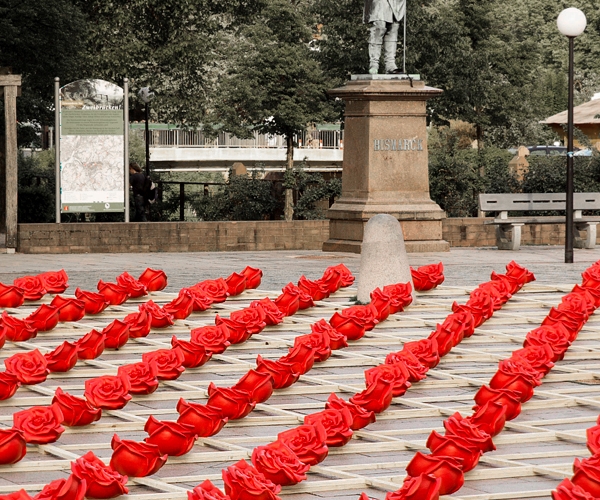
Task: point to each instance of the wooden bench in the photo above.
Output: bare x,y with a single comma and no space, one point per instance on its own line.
508,229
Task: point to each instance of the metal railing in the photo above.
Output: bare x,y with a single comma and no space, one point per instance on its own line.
317,139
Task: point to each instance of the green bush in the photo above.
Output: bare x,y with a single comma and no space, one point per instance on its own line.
312,188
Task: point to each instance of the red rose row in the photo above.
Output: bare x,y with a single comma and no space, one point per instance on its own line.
32,288
286,460
466,439
32,367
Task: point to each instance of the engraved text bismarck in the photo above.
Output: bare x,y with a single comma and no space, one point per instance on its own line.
398,145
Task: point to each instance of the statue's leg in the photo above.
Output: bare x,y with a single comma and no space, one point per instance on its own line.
376,33
390,45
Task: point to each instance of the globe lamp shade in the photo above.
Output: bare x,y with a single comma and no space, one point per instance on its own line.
571,22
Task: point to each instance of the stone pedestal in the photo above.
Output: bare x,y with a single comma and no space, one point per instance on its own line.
385,164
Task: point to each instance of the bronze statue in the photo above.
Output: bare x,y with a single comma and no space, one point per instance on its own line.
384,17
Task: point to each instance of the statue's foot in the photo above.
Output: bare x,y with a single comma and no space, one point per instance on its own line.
373,70
395,71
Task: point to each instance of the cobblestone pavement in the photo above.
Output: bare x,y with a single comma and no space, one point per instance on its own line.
535,451
464,266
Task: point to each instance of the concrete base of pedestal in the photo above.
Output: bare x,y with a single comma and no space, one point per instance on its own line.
411,246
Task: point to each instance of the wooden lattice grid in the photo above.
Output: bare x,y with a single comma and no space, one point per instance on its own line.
535,451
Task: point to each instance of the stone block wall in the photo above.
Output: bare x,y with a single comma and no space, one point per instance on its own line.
241,236
172,236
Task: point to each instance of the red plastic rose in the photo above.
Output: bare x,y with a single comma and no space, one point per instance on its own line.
481,305
63,358
44,318
593,439
554,336
244,482
282,373
463,428
95,303
253,277
32,287
101,480
464,316
154,279
396,374
28,367
316,289
39,424
134,287
591,296
232,403
91,345
142,377
516,374
279,464
318,342
289,300
54,281
354,321
337,340
13,446
236,283
17,495
134,459
422,487
172,438
113,293
587,475
116,334
447,469
301,358
160,317
337,425
15,329
381,301
253,317
346,278
507,398
499,292
9,384
238,332
139,323
258,384
427,277
207,491
205,421
168,361
566,490
201,300
400,296
182,306
71,488
213,338
11,296
489,418
445,339
307,442
273,316
376,397
571,320
519,273
215,289
455,446
416,370
425,350
538,356
361,417
108,392
75,411
194,354
69,309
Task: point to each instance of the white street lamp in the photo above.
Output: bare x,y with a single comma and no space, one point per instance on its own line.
571,22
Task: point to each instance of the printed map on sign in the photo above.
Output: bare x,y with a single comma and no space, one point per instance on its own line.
92,168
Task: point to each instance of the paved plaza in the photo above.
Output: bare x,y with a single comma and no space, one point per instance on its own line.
534,452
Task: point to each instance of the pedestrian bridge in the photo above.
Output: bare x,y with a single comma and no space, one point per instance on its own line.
179,149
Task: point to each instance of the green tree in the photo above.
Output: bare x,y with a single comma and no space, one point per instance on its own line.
274,84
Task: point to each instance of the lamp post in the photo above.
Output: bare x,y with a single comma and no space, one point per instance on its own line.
571,22
146,96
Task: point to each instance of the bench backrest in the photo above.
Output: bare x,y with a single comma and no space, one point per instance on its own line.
507,202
